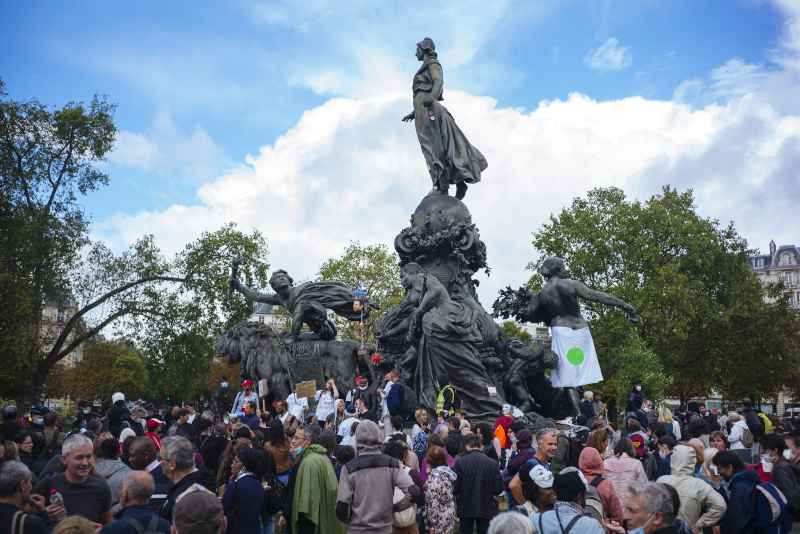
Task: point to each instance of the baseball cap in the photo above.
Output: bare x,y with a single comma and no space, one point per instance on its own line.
455,421
247,383
581,420
37,410
198,512
638,440
152,423
541,476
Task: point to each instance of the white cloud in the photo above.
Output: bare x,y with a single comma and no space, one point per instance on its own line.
351,170
609,56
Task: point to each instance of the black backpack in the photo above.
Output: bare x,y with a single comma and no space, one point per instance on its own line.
408,402
53,448
576,446
273,499
152,527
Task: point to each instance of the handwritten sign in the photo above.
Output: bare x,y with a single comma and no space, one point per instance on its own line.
306,389
262,388
492,391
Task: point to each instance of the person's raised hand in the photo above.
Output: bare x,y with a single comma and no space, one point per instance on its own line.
35,505
612,526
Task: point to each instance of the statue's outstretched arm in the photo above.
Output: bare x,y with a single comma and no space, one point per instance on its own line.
603,298
268,298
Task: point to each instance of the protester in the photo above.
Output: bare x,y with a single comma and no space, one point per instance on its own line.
421,424
535,491
245,492
665,447
310,500
143,457
454,442
718,440
199,513
243,397
708,473
397,431
587,408
477,482
235,446
754,424
110,467
568,509
673,427
598,440
631,426
284,416
440,509
279,446
634,397
135,491
154,429
24,444
177,461
699,428
648,461
402,454
491,445
599,406
215,446
369,415
650,509
623,469
521,451
701,505
591,465
510,523
17,501
366,485
643,411
501,426
138,415
336,417
785,471
350,413
736,436
738,518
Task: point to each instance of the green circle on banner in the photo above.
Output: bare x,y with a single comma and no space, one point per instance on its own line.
575,356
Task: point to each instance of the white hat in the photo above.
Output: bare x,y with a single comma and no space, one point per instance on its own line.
541,476
125,433
118,396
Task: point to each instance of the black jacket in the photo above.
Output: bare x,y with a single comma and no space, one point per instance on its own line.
203,477
370,399
476,485
454,442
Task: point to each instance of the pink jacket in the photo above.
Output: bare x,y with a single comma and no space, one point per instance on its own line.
623,471
591,465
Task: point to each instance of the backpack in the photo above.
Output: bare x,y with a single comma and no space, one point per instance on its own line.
768,508
152,526
576,445
594,505
407,517
409,402
53,448
747,438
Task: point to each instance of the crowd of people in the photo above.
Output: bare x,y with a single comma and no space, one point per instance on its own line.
357,461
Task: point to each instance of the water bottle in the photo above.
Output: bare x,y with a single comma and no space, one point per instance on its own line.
57,499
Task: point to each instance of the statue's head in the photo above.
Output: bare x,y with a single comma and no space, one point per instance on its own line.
426,45
552,267
280,279
408,272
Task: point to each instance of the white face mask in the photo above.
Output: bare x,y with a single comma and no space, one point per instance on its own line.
638,388
662,454
788,455
645,409
362,388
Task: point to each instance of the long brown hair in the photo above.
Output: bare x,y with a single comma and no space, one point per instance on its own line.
233,448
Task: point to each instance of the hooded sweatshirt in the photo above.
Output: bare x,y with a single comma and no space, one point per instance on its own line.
693,492
112,471
622,471
366,485
785,476
591,465
524,451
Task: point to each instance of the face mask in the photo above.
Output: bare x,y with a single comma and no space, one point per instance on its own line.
638,388
719,447
713,469
299,450
645,410
766,458
362,388
513,440
224,384
640,530
788,455
86,412
37,421
662,454
241,474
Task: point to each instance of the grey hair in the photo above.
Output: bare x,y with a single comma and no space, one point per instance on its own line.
655,498
208,414
12,473
75,440
310,433
510,523
139,485
179,450
546,432
220,429
138,410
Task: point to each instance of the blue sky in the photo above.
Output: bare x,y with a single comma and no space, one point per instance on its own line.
207,91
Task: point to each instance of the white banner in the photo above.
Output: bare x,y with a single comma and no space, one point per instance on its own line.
577,359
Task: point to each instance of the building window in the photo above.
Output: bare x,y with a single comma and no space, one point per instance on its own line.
787,259
261,319
788,279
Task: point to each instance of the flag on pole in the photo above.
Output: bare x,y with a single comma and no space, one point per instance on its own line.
577,359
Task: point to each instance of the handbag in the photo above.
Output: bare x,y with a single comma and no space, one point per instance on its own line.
407,517
273,499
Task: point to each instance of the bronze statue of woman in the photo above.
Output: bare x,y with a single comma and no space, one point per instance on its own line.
451,159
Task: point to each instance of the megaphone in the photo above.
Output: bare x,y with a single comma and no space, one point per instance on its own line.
227,417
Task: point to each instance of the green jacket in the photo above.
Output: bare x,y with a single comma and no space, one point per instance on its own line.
315,492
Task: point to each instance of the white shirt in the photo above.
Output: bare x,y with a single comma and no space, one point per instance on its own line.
327,403
344,431
191,417
297,407
384,396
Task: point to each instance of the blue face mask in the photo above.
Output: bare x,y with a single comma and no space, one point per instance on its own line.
640,530
299,450
86,412
37,421
224,384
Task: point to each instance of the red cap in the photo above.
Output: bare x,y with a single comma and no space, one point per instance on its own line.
638,440
247,383
152,423
357,379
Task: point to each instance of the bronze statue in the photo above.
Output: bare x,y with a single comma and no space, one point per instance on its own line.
451,159
557,305
307,303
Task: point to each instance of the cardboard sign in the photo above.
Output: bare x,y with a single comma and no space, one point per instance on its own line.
306,389
492,391
262,388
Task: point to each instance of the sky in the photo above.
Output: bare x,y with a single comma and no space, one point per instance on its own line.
285,116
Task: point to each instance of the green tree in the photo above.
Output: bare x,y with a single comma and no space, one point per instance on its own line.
634,361
511,329
688,279
173,310
378,272
104,369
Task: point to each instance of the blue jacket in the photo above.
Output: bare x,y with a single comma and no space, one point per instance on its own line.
738,518
394,401
556,520
140,512
588,410
252,421
664,467
642,418
249,499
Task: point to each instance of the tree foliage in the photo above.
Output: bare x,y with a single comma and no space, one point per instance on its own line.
104,369
634,361
378,272
511,329
703,312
